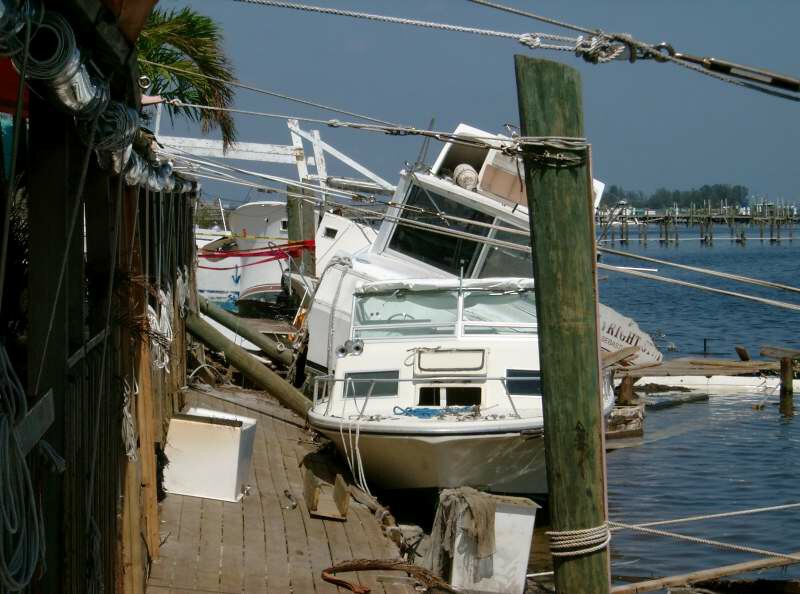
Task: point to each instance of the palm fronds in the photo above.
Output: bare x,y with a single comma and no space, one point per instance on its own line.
189,41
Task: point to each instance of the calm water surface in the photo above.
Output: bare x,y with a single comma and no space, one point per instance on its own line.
722,454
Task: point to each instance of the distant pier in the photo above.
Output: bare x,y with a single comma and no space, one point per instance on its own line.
622,223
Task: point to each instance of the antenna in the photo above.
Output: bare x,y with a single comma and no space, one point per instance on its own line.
423,151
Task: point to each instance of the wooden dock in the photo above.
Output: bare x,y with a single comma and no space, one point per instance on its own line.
266,543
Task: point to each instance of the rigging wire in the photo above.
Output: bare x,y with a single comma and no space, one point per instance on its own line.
509,146
756,79
598,48
266,92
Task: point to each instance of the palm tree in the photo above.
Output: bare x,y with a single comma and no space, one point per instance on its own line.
191,44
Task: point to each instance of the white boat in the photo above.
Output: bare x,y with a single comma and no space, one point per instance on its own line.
247,262
465,216
438,385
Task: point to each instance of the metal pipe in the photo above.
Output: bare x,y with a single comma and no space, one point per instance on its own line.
55,59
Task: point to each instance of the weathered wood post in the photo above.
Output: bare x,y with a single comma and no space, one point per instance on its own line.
787,378
300,215
560,207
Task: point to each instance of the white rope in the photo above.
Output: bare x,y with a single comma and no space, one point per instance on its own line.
725,275
130,438
731,514
574,543
705,541
673,281
161,326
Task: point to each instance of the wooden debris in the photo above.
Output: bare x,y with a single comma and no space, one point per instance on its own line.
321,503
772,352
608,359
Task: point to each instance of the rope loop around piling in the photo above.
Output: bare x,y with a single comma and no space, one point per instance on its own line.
574,543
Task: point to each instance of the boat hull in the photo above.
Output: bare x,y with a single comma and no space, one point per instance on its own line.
497,462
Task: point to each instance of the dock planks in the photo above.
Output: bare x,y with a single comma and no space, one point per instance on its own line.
262,544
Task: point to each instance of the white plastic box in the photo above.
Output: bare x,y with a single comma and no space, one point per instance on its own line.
209,454
504,572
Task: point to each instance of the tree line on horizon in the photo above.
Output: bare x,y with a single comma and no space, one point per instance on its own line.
735,195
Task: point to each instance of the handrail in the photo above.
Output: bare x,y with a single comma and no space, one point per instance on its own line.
328,380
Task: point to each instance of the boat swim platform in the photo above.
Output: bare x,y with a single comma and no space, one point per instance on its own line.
267,542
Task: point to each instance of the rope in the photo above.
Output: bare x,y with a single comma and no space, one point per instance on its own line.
22,541
725,275
574,543
509,146
599,48
161,328
672,281
705,541
432,582
130,438
640,50
76,209
265,92
744,512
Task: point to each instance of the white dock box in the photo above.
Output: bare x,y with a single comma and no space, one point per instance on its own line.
209,454
506,570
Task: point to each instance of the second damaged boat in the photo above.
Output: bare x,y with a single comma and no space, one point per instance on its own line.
439,386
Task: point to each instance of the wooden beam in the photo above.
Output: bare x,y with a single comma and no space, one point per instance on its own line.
779,353
561,218
243,151
694,577
34,425
146,425
250,367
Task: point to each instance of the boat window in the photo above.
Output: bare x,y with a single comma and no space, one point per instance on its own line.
499,308
529,384
430,396
330,232
405,314
358,384
503,261
284,225
444,251
463,395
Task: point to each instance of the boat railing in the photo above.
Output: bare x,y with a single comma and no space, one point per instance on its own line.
324,384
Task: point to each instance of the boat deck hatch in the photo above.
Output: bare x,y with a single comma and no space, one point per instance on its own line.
451,362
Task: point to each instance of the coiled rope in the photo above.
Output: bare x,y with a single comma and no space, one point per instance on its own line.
22,541
574,543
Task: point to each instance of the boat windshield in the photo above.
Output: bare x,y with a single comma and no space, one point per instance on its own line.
485,312
403,313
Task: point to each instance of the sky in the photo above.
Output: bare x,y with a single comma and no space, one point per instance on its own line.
651,125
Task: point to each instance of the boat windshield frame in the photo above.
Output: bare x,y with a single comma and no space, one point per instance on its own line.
457,328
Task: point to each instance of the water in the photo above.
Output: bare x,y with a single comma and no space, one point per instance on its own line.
714,456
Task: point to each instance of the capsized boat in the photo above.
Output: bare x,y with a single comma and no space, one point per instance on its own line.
241,264
438,385
466,216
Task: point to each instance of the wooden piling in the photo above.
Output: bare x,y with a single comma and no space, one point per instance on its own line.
787,377
626,396
302,225
560,207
